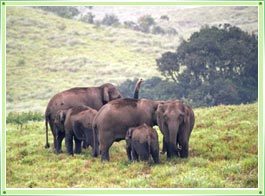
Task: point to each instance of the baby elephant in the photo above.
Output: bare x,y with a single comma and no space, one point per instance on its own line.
142,141
78,126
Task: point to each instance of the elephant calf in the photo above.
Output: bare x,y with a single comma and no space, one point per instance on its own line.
78,126
142,141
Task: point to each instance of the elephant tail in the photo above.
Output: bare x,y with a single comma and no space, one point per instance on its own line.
95,141
47,117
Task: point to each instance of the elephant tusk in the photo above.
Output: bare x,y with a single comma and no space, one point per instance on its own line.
179,147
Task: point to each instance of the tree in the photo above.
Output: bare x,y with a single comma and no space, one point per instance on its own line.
218,65
110,19
145,22
88,18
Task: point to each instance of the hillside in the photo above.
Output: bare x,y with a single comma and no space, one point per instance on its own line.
223,154
185,19
47,54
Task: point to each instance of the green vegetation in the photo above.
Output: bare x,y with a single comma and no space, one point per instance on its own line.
47,54
223,154
217,65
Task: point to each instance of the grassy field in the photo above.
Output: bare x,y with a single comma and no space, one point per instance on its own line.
46,54
223,153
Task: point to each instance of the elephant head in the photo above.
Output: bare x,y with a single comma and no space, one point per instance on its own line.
175,121
59,119
109,93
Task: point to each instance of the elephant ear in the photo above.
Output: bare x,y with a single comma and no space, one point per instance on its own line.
186,115
79,130
106,97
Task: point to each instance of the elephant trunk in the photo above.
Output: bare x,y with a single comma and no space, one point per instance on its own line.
172,146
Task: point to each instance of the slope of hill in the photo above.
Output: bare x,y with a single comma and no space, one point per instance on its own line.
47,54
185,19
223,154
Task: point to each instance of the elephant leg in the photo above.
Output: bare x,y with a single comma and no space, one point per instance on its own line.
105,142
69,144
183,141
55,143
184,149
167,147
78,148
129,152
134,155
59,139
104,150
85,145
155,155
143,151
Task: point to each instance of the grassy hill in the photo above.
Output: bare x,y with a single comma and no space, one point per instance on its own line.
47,54
223,154
185,19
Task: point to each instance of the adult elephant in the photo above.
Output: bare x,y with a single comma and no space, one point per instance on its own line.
94,97
176,121
115,118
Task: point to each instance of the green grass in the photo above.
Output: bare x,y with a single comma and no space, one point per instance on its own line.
223,153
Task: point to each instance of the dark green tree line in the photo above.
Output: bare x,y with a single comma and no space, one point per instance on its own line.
217,65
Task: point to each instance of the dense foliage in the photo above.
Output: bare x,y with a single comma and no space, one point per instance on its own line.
217,65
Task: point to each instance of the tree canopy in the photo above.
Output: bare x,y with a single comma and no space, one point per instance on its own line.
217,65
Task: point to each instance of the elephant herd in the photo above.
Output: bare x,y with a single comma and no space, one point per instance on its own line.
99,116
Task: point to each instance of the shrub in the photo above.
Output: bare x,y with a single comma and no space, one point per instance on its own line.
110,20
88,18
22,118
145,23
63,11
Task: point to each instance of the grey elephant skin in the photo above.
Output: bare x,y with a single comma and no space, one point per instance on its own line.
94,97
115,118
78,127
176,121
141,142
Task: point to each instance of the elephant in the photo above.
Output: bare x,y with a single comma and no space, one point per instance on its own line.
116,117
94,97
175,121
142,141
78,126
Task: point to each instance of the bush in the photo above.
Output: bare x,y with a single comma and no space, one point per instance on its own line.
110,20
145,23
158,30
24,117
88,18
63,11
